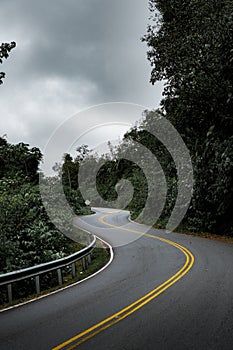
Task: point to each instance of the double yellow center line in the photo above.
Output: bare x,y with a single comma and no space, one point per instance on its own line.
127,311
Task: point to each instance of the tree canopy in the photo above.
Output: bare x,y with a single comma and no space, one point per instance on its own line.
190,47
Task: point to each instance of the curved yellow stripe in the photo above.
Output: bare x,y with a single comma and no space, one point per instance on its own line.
125,312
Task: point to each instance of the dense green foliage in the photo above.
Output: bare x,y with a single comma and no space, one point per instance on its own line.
27,235
110,171
190,46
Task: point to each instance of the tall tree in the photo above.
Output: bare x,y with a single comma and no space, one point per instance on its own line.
190,47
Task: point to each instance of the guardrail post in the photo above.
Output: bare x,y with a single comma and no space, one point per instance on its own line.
34,272
9,292
37,279
59,274
89,258
73,270
84,263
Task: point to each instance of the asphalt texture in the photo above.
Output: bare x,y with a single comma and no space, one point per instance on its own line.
194,313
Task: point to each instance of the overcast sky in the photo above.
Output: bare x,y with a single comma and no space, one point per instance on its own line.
70,55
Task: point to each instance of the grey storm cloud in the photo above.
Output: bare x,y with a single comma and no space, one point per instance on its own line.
70,54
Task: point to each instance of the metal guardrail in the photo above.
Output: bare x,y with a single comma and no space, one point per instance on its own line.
35,271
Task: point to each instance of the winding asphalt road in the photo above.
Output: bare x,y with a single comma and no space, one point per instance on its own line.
152,296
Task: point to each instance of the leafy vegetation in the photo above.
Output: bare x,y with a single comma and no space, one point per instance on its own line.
190,46
27,235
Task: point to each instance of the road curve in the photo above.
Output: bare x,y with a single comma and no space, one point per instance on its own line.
151,296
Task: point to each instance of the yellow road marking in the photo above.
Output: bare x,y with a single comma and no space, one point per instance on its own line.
125,312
